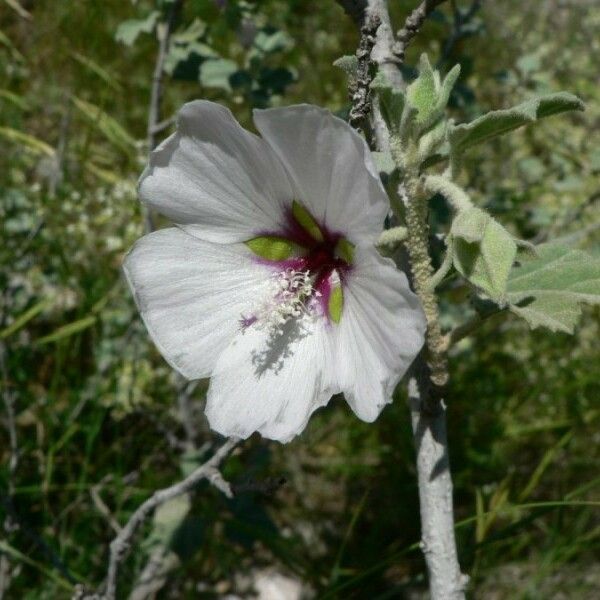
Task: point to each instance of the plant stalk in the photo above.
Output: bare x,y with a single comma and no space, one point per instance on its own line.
428,411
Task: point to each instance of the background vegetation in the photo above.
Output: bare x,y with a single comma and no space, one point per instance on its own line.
96,411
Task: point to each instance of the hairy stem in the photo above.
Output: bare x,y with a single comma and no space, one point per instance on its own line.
422,271
430,371
428,411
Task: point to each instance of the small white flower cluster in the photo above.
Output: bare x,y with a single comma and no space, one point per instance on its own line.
290,295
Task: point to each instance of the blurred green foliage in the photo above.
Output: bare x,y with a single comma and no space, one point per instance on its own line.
96,411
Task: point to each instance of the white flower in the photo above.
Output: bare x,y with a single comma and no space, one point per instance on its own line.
270,284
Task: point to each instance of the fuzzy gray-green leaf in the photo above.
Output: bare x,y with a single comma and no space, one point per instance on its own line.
422,94
498,122
548,291
391,101
347,63
128,31
484,251
384,162
216,73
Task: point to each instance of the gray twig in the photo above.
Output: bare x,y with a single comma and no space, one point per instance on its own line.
446,582
165,124
412,25
359,88
383,53
471,326
164,31
186,413
120,546
101,506
164,36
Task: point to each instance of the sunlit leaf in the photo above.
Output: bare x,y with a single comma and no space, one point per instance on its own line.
95,68
548,291
30,142
107,125
68,330
269,41
348,64
497,122
391,101
216,73
24,318
128,31
484,251
423,92
15,99
16,6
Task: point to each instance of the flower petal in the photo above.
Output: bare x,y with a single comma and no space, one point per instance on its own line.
219,181
333,172
271,384
380,333
192,294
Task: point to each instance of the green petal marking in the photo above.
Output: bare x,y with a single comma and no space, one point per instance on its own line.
307,221
273,248
345,249
336,303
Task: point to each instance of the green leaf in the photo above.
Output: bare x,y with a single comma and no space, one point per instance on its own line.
16,6
460,201
193,32
443,92
422,93
30,142
548,291
498,122
274,248
168,518
128,31
6,548
97,70
24,318
384,162
5,41
336,303
447,87
268,41
187,51
432,142
15,99
68,330
484,251
216,73
391,101
107,125
348,64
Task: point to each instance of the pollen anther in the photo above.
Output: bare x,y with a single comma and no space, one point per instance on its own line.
290,296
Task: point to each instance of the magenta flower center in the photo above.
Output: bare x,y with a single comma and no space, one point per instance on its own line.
308,248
